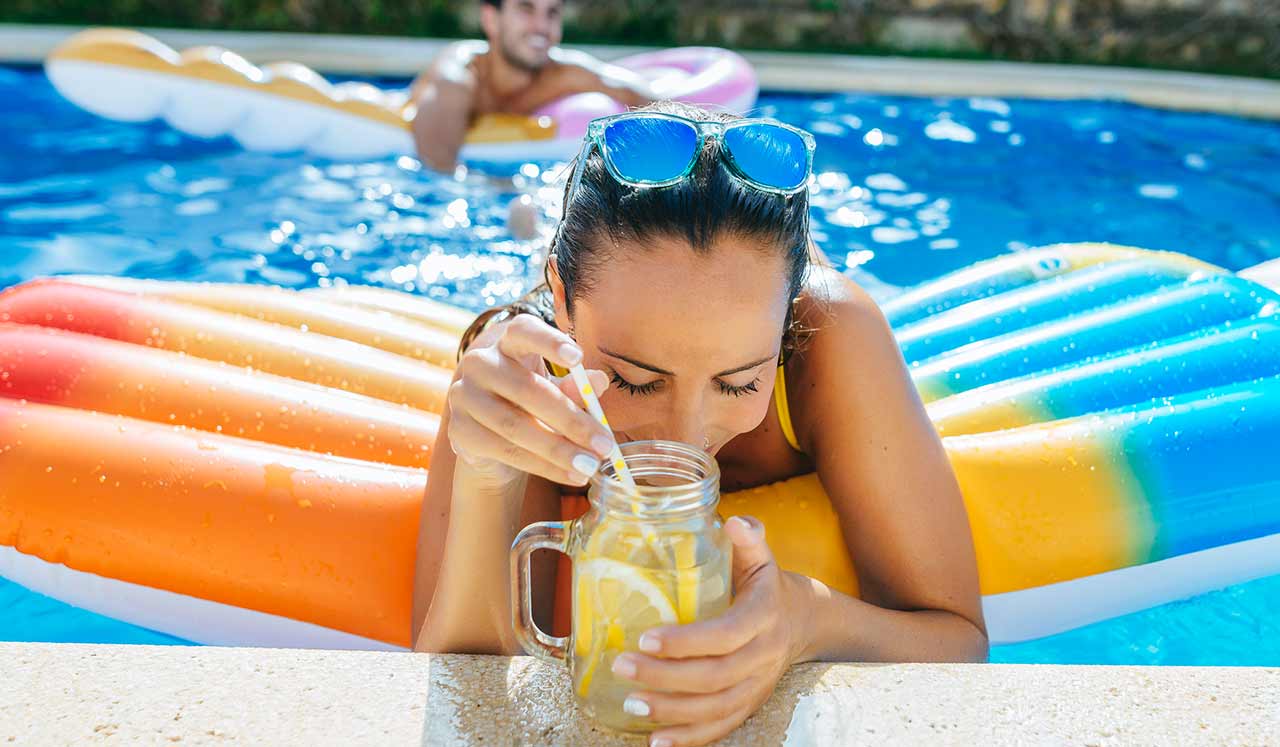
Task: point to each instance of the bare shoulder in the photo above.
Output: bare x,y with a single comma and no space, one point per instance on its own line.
452,69
831,305
845,340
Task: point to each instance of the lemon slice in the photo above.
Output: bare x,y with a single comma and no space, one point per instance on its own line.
625,593
614,599
688,576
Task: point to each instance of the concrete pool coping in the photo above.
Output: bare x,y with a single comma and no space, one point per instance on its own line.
72,694
778,71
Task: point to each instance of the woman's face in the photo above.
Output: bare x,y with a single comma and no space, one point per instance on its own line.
690,342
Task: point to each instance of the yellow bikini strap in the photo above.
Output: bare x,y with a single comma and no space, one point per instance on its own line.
784,409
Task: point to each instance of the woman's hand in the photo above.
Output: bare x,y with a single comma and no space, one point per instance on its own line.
706,678
508,418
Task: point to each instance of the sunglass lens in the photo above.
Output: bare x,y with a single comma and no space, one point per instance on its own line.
770,155
650,149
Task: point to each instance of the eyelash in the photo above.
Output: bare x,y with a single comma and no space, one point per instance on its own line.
633,389
653,386
738,391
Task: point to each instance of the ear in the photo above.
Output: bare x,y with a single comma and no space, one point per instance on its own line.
489,22
558,297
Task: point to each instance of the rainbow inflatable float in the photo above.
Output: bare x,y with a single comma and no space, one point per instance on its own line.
245,465
211,92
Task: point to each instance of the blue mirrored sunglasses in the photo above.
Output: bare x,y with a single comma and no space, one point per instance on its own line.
652,149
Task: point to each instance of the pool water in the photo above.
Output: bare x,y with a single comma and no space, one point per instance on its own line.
905,190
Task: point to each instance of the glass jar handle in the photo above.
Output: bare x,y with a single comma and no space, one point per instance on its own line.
545,535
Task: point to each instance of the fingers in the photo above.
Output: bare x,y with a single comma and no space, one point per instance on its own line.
493,428
599,382
700,733
503,409
750,551
474,443
536,395
718,636
682,708
754,609
707,674
527,337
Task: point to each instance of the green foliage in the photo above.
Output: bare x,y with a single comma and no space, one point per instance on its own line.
1110,32
438,18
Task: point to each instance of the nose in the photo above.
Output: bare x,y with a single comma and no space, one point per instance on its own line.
687,424
542,23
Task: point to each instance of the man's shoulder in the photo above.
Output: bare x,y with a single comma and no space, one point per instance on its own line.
456,62
464,49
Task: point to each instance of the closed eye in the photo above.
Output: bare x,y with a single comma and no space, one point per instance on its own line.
634,389
738,391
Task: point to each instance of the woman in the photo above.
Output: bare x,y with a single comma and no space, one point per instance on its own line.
683,277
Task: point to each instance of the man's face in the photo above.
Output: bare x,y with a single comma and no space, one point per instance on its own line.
524,31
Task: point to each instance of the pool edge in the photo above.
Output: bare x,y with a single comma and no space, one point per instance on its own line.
82,693
806,73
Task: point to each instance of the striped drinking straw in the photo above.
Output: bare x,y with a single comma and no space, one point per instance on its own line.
593,406
615,454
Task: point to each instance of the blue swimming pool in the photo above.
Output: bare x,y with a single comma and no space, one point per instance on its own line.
906,190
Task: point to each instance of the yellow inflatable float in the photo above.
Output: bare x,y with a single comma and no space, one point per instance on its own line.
211,92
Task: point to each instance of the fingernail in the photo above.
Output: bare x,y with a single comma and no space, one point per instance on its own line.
570,354
624,666
602,445
635,706
649,643
659,742
585,464
751,532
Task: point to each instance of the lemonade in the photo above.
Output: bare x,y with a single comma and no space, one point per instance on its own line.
643,557
622,588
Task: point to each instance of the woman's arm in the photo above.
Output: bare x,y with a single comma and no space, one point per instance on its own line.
461,597
508,436
891,484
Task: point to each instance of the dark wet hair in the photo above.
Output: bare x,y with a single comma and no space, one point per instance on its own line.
710,203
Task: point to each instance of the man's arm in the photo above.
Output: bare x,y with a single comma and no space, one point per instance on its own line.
579,72
622,85
443,97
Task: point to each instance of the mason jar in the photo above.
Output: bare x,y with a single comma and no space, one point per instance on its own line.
654,556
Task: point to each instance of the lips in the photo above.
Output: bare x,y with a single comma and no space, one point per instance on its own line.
538,41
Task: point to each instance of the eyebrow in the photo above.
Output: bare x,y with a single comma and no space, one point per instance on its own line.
665,372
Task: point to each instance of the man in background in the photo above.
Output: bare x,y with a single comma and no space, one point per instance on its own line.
517,71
